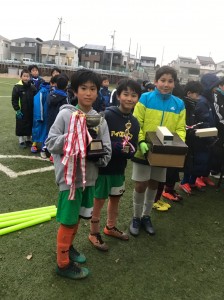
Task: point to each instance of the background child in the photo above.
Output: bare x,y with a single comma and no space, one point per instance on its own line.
193,90
86,85
111,180
156,108
205,112
22,101
36,79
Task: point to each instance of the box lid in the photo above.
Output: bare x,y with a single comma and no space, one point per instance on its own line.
178,146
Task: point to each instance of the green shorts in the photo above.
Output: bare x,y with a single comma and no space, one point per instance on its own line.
69,211
109,185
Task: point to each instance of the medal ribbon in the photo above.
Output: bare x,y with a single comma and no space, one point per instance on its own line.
76,142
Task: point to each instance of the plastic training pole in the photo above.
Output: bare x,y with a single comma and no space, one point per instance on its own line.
26,211
32,213
25,224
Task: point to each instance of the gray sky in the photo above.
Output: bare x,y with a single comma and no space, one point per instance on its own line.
172,27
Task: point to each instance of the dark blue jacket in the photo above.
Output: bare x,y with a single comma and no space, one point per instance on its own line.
55,100
116,121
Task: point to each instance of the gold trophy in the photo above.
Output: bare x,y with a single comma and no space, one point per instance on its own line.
126,143
95,148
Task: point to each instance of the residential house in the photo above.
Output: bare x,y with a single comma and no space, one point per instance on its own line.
148,62
206,64
220,66
92,56
4,48
186,68
129,61
60,53
26,47
116,63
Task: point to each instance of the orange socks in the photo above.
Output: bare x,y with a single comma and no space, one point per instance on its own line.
112,211
95,221
64,241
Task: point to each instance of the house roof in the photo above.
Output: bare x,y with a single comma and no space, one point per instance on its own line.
4,39
62,43
205,60
26,39
94,47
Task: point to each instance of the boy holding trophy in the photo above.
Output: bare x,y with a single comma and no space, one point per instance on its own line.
70,139
123,130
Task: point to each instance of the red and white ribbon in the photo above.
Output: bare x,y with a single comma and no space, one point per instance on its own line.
126,142
76,142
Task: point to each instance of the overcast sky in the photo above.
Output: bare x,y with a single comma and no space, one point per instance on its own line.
161,28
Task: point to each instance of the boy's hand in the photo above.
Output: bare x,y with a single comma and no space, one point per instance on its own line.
144,148
19,114
117,147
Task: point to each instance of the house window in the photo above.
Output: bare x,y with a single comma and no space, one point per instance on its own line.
6,45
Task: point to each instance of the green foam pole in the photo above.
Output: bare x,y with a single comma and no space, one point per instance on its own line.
26,211
25,224
18,221
33,213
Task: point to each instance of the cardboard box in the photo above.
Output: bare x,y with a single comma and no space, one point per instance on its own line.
166,155
206,132
164,135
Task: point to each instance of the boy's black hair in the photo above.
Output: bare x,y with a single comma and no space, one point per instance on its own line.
61,82
166,70
193,87
55,69
124,84
54,79
82,76
150,86
104,78
25,70
31,67
65,75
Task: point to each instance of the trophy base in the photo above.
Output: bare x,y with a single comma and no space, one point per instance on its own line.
96,149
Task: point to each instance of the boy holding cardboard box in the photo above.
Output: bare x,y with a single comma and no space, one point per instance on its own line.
157,108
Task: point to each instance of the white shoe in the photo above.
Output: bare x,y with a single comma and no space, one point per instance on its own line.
43,154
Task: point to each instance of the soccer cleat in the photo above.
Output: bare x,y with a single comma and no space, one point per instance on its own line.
185,187
207,181
200,182
34,149
72,271
135,226
164,203
172,195
22,145
147,225
75,256
43,154
28,143
98,243
159,207
116,233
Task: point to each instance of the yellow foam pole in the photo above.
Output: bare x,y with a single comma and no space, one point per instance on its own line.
27,211
25,224
22,220
34,213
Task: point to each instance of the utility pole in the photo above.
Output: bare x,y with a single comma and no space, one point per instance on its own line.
162,57
59,43
112,50
59,25
129,55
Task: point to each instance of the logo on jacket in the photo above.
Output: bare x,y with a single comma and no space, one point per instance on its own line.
172,108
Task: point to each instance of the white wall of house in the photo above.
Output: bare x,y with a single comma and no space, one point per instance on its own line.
4,49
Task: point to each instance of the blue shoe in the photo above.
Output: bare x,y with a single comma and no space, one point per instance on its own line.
75,256
72,271
135,226
147,225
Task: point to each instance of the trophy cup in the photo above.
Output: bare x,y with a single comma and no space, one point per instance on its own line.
126,144
95,148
